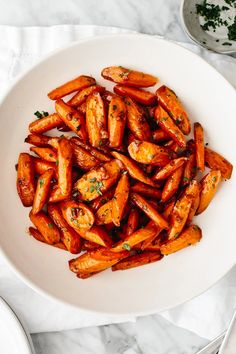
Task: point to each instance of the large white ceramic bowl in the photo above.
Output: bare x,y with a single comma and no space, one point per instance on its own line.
208,98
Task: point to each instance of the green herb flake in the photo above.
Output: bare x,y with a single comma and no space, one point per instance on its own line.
45,114
163,119
92,180
100,143
41,183
50,225
126,247
56,162
51,155
177,234
38,114
185,179
78,127
114,107
92,189
214,179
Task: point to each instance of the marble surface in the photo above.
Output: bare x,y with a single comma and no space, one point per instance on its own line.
151,334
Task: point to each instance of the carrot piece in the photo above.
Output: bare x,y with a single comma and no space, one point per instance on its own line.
97,181
169,208
87,263
83,159
149,210
209,185
170,102
168,169
97,234
133,169
135,238
146,190
167,124
38,140
144,97
65,167
188,237
56,195
78,215
120,199
102,199
196,201
37,235
72,118
148,153
181,210
172,184
98,154
104,213
45,153
136,120
76,84
46,227
69,236
25,179
199,146
82,108
137,260
132,222
190,169
81,96
41,166
96,120
217,162
42,191
44,124
89,245
160,135
116,121
128,77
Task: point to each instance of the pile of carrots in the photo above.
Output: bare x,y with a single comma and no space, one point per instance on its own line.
125,184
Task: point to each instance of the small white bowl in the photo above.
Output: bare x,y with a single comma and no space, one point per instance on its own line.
191,25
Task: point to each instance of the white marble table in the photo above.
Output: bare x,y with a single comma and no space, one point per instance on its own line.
151,334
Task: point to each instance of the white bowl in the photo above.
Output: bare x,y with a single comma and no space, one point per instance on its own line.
208,97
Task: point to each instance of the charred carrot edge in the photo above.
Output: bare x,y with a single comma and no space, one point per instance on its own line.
120,199
209,185
45,153
116,121
140,96
42,191
167,170
137,260
25,179
199,146
37,235
44,124
81,96
217,162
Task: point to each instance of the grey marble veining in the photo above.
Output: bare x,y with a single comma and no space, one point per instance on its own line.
150,334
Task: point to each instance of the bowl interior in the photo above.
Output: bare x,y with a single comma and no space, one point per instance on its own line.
208,98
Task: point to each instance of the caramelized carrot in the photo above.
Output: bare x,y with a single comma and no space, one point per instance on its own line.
25,179
144,97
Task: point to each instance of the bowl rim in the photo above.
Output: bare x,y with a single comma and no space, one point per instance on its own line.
7,258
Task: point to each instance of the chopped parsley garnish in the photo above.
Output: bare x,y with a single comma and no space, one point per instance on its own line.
78,127
100,143
56,162
41,183
98,187
214,179
177,234
186,179
50,225
163,119
92,189
92,180
178,121
126,247
40,115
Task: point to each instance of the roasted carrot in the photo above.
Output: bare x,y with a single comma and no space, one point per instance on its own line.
209,185
42,191
160,135
217,162
136,120
104,214
76,84
97,181
148,153
199,146
25,179
81,96
196,200
56,195
120,199
45,153
72,118
170,102
137,260
128,77
83,158
37,235
188,237
149,210
133,169
190,168
102,199
96,120
41,166
103,157
132,222
146,191
78,215
69,236
37,140
46,227
144,97
168,125
44,124
116,121
65,167
99,235
168,169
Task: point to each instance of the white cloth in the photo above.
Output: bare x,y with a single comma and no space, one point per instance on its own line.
207,315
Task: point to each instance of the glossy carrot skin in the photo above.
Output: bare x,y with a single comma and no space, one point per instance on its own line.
98,154
76,84
37,140
45,153
44,124
41,166
171,104
160,135
190,169
168,169
209,185
136,120
120,199
168,125
146,191
144,97
96,120
39,237
137,260
46,227
128,77
25,179
104,214
42,191
116,121
199,146
132,222
80,97
69,236
149,153
72,118
172,184
65,167
217,162
83,158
